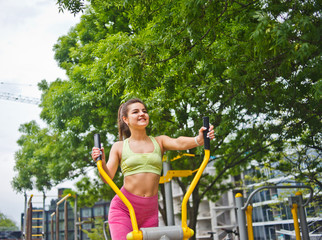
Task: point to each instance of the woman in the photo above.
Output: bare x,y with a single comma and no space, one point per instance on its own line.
140,158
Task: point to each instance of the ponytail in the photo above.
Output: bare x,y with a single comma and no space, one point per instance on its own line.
124,130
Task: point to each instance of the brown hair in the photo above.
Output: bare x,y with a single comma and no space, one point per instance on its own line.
124,130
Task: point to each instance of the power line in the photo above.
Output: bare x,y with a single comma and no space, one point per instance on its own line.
19,98
19,84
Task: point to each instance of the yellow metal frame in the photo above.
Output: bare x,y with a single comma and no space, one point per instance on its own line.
176,173
136,234
182,155
296,222
249,211
187,232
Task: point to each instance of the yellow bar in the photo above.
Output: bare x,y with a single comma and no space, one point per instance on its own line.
37,210
176,173
52,214
63,199
36,235
181,155
296,223
37,218
187,231
36,226
135,234
249,219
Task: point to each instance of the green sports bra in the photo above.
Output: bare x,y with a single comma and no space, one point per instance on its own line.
132,163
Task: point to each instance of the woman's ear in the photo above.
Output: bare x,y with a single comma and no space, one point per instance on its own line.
125,120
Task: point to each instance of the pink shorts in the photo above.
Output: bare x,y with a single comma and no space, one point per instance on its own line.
119,221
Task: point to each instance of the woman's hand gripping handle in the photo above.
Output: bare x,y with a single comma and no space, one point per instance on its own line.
97,144
205,132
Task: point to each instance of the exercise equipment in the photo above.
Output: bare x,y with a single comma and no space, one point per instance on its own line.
296,205
31,222
56,214
167,232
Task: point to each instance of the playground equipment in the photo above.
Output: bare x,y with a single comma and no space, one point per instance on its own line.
167,232
56,214
29,219
295,202
33,216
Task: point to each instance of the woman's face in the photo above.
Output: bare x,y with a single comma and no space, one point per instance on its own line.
137,116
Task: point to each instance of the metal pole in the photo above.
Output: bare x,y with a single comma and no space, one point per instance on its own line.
75,218
52,226
24,218
249,211
29,220
57,222
43,217
104,230
168,196
303,222
241,217
296,223
66,220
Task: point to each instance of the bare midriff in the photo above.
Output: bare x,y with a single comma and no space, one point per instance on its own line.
142,184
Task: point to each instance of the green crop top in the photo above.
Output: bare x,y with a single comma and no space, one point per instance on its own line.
133,163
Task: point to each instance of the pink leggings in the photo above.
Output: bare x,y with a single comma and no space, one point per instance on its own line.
119,221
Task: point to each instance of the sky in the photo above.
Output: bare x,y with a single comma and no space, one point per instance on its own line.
28,31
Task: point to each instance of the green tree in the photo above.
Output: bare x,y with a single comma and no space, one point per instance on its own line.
252,66
97,232
6,224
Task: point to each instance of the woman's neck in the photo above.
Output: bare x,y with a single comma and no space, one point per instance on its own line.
138,135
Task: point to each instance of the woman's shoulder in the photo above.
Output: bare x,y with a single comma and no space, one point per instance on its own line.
160,137
118,144
160,140
117,149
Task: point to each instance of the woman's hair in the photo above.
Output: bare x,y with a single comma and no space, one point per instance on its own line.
124,130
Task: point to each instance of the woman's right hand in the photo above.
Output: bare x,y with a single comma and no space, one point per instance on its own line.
96,152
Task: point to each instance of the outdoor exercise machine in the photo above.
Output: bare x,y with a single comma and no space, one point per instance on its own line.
168,174
28,219
166,232
296,205
56,214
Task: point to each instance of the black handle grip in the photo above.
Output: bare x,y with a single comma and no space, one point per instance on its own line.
97,143
205,138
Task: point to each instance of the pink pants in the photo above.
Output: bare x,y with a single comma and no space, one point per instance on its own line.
119,221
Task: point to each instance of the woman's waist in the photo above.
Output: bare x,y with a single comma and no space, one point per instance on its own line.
142,184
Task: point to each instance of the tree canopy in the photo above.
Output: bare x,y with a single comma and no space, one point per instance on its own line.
6,224
254,67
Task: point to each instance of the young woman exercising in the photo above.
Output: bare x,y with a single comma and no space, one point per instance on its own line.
140,158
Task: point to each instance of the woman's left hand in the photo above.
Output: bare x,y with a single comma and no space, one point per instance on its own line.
210,134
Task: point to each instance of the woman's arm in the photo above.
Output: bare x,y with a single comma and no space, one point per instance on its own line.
113,161
185,143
